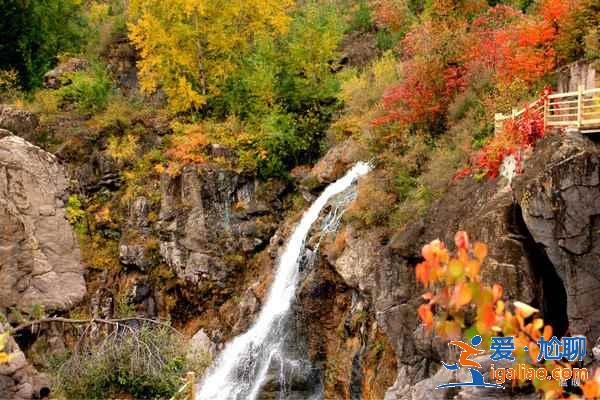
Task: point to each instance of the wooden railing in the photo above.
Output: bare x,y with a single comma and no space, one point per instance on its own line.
580,109
188,390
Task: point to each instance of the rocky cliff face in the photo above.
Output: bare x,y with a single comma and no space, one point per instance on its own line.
39,254
219,233
542,238
559,196
211,219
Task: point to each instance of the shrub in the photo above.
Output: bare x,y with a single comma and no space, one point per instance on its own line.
372,204
88,90
457,303
361,95
387,40
187,147
146,361
9,85
142,178
362,20
75,214
516,136
123,148
119,114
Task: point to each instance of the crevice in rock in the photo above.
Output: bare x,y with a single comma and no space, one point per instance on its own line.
356,376
553,302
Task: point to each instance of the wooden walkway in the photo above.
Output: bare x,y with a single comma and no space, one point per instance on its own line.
579,109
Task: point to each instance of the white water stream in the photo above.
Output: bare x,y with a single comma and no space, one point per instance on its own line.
242,367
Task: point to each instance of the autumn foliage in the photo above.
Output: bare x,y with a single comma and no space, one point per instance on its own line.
187,148
516,136
189,48
443,57
458,303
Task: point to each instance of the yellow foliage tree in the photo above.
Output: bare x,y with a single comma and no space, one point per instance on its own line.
189,47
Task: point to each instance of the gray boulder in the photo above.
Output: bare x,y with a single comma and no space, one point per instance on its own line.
39,255
57,77
20,122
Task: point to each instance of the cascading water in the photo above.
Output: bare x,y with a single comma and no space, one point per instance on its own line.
242,367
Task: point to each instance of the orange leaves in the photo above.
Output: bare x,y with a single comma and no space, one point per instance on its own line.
547,332
461,296
591,388
472,269
554,11
456,292
456,279
444,57
461,239
497,291
187,148
480,251
434,251
428,271
425,314
486,317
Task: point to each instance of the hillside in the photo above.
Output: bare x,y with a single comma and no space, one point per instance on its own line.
296,200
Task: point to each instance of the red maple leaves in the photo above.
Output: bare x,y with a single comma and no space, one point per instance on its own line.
441,59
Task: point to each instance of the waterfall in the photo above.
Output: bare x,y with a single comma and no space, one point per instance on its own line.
242,366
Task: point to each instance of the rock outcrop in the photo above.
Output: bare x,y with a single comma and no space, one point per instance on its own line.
19,380
39,254
337,161
135,245
121,58
211,218
59,76
559,195
20,122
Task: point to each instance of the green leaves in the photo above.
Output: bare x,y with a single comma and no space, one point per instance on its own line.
35,32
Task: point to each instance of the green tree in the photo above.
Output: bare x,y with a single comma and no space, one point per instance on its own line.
285,90
34,32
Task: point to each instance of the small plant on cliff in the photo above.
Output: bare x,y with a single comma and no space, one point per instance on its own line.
458,304
88,91
75,214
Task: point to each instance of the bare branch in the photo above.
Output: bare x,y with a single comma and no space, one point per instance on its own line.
119,322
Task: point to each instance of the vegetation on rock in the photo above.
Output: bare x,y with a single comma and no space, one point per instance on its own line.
459,304
254,89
